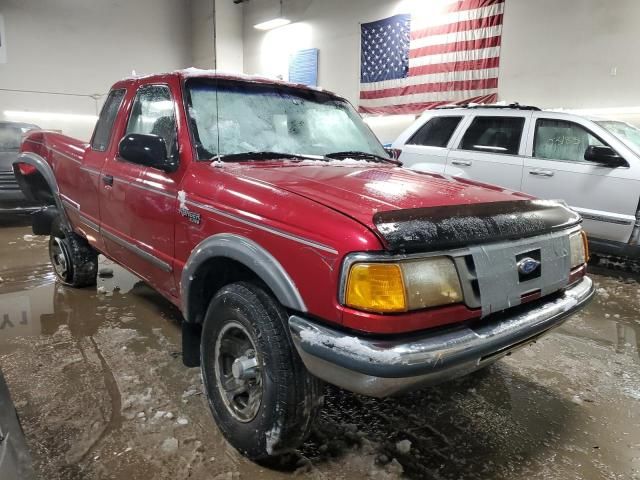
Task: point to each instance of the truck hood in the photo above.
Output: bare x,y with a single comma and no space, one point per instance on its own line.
361,192
412,210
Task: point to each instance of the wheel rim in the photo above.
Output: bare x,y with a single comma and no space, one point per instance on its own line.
59,257
238,371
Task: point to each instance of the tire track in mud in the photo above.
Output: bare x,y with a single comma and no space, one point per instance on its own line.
115,421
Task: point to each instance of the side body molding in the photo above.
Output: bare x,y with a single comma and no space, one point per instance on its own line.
47,173
249,254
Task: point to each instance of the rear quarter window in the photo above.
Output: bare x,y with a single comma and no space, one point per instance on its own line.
436,132
104,127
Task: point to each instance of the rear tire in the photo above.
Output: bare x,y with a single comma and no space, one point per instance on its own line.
74,261
260,394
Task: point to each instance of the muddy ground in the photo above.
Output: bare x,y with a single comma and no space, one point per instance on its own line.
97,379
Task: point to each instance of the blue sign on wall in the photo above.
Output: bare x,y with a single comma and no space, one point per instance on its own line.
303,67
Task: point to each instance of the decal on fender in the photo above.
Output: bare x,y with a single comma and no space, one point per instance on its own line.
193,217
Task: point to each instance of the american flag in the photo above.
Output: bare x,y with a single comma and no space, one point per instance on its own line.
449,53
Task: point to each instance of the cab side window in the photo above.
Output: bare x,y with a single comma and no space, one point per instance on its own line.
494,135
153,113
562,140
436,132
102,134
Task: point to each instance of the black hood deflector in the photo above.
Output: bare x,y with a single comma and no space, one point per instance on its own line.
455,226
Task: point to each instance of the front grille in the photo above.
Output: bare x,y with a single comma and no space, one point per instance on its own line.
490,277
8,181
468,280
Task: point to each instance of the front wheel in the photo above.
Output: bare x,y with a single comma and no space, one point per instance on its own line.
260,394
74,261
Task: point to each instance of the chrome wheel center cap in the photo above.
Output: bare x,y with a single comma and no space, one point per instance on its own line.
244,367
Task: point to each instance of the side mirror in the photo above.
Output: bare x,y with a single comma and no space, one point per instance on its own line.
605,155
146,149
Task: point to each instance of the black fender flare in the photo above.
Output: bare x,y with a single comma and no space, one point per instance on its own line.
46,171
251,255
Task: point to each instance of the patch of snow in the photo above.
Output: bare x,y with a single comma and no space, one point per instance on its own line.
182,421
182,198
273,437
191,392
28,238
404,446
101,290
170,445
347,162
351,346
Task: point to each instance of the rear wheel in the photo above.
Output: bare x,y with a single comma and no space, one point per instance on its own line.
74,261
260,394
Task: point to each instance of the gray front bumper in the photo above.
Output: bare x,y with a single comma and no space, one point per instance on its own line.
380,368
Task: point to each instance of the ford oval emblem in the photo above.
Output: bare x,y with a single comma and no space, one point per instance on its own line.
528,265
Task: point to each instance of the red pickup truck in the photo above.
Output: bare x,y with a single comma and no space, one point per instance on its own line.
296,248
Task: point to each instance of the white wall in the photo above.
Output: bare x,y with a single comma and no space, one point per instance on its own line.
202,27
229,38
82,47
332,26
554,54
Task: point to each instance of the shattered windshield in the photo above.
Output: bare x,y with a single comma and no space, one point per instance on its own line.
625,132
232,118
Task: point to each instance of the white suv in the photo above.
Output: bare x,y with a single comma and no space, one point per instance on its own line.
593,164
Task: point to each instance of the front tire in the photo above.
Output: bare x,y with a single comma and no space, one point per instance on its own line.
74,261
260,394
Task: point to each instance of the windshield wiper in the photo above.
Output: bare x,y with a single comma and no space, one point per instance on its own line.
360,155
249,156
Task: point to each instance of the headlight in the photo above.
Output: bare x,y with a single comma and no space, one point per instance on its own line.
403,286
579,249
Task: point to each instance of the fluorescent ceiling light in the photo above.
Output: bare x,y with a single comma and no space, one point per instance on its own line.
24,115
271,24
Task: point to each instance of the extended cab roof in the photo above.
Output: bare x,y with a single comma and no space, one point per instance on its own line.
203,73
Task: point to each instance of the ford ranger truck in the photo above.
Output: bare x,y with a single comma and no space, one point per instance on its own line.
296,249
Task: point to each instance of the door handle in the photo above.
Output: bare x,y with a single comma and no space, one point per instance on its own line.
107,180
541,173
462,163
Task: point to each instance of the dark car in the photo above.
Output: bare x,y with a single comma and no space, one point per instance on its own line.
11,197
15,460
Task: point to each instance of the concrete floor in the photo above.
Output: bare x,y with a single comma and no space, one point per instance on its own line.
98,382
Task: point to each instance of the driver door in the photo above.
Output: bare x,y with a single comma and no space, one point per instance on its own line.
141,210
555,168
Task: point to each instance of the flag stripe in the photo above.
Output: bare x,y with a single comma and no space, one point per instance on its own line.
450,38
460,85
482,22
478,64
470,5
443,96
455,47
455,57
424,22
422,106
453,76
